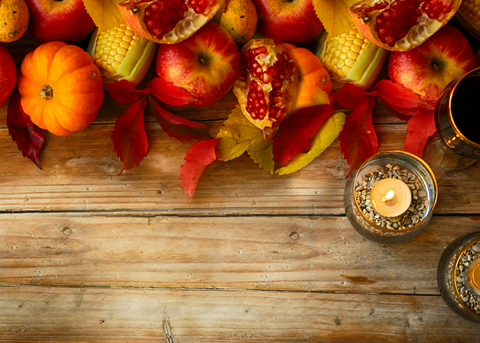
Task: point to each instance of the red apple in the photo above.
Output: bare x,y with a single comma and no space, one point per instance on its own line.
205,65
429,68
63,20
290,21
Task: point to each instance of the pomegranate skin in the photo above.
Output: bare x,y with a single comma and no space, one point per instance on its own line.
430,67
267,86
401,25
205,65
179,29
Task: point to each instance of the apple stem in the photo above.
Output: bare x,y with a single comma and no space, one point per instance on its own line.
46,93
435,66
202,60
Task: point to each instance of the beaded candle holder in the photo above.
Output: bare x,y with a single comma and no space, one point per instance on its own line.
458,276
391,197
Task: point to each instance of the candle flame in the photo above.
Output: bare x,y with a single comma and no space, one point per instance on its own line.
390,194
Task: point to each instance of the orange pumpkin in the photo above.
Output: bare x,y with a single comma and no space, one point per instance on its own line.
61,88
315,85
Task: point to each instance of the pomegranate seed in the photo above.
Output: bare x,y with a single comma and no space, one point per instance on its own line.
277,83
266,96
394,23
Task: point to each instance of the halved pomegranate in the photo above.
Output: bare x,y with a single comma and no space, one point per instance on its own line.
267,86
168,21
400,25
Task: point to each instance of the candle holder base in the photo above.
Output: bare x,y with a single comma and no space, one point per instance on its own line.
438,155
452,278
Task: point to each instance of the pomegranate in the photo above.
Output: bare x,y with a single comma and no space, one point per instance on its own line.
267,85
168,21
400,25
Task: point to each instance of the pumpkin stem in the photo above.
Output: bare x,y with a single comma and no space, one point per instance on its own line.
46,93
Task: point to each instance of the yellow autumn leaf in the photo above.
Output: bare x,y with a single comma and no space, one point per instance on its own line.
236,135
228,148
105,13
261,151
334,15
325,136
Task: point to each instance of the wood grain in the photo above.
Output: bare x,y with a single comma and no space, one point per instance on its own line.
80,173
281,253
87,255
33,314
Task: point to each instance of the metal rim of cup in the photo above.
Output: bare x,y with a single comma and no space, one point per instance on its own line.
454,276
450,115
423,163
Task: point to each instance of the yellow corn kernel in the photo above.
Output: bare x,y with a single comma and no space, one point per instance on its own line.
112,47
346,48
471,9
351,58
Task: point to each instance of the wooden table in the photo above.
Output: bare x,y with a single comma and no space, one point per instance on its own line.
87,255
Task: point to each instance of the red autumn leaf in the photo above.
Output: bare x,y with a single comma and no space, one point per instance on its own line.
420,128
198,157
358,140
124,93
350,96
178,127
401,100
296,132
129,137
29,141
168,93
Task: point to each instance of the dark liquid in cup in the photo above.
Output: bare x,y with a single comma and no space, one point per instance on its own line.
466,108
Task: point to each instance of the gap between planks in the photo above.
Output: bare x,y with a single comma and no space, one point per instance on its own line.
212,289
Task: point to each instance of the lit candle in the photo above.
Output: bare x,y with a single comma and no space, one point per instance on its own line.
473,276
391,197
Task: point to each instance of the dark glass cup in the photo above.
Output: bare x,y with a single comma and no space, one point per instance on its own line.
456,144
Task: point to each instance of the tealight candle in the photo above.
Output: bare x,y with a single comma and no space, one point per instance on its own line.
391,197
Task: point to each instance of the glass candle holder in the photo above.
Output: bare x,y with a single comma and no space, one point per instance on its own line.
400,227
458,276
457,119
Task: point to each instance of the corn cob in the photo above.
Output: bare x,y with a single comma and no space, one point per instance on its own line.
468,16
120,54
471,9
350,57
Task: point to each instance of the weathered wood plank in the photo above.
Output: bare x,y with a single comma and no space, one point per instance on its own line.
34,314
282,253
80,173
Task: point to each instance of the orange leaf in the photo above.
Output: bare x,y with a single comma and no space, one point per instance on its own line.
198,157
